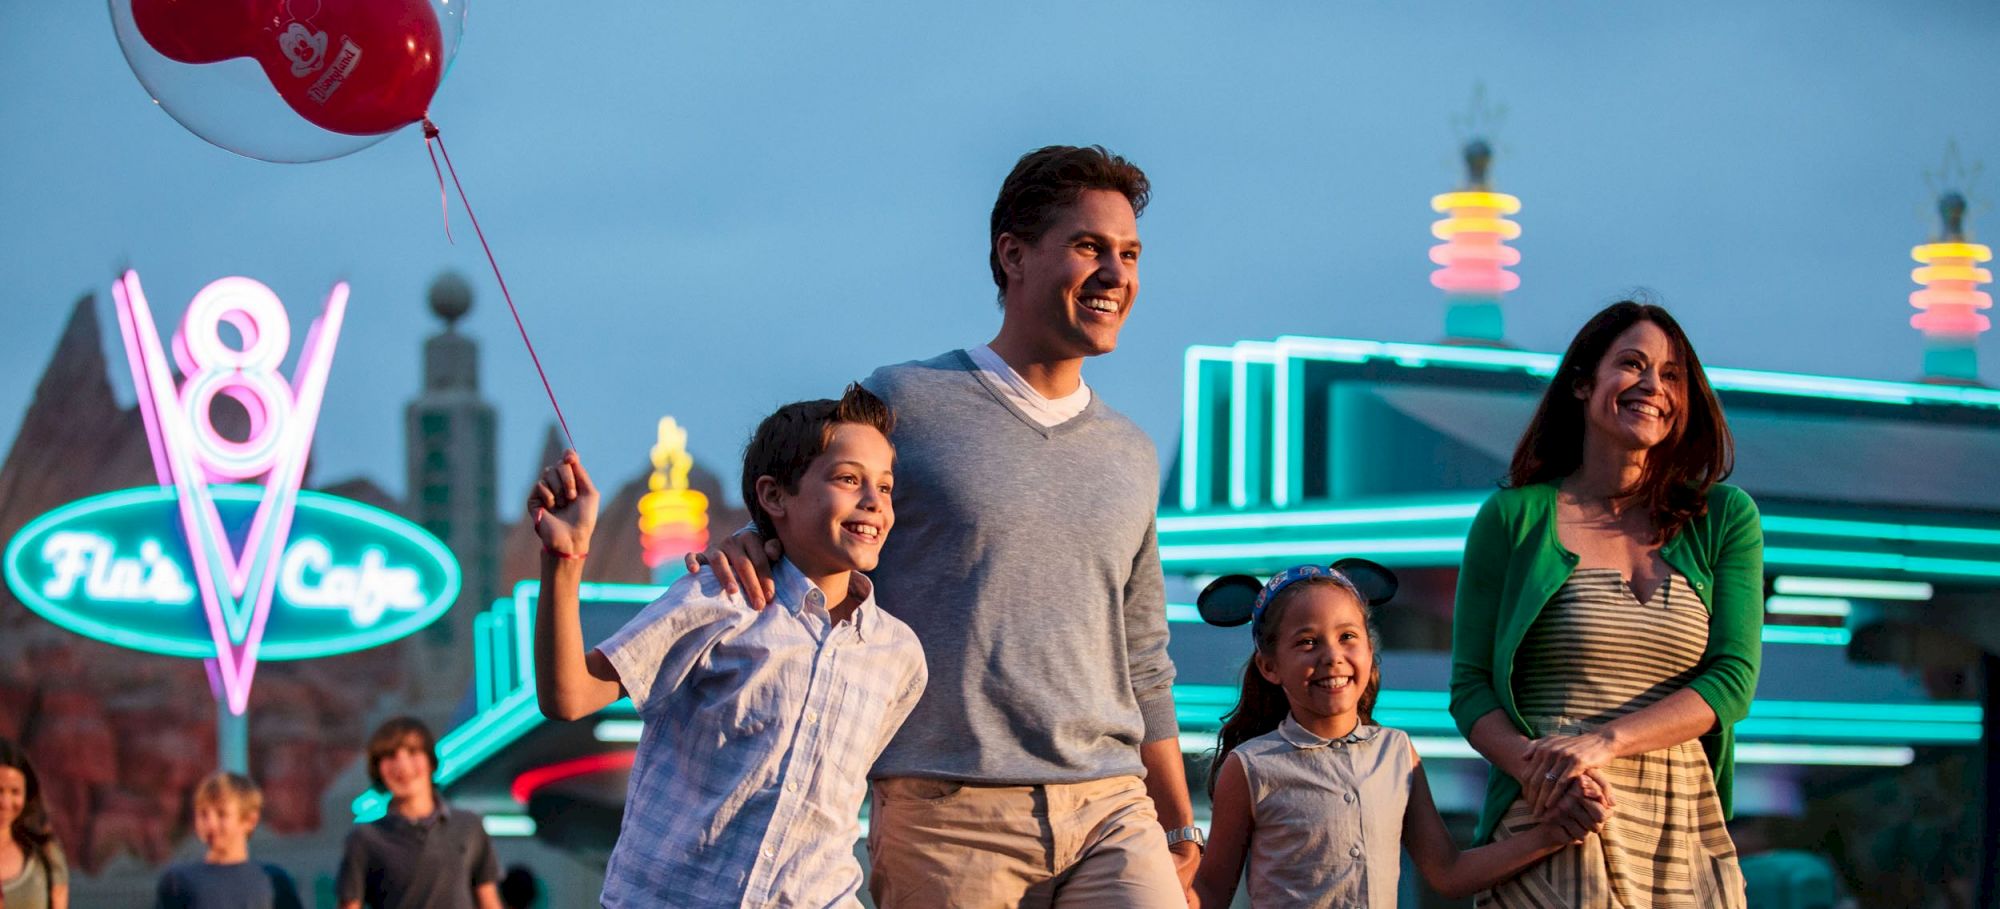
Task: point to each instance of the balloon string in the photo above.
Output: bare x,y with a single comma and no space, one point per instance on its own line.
444,204
431,132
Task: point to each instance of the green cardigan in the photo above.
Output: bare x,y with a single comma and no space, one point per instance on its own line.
1514,563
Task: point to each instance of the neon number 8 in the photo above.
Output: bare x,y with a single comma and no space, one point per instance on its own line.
247,375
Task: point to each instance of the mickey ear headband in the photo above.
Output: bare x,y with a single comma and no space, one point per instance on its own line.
1234,599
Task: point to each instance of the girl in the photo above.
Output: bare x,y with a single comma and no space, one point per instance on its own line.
33,874
1314,796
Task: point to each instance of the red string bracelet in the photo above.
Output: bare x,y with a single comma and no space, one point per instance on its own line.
578,556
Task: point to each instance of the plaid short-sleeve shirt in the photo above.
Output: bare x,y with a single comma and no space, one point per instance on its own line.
758,730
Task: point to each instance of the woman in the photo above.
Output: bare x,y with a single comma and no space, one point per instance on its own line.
1607,625
33,874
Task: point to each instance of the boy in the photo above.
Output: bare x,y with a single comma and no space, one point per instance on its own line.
422,854
758,728
226,810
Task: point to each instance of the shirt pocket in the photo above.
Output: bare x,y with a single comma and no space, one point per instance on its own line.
744,706
863,707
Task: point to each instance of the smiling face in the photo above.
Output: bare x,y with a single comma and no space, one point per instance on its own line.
1071,289
406,771
1321,656
223,825
1635,399
841,512
13,796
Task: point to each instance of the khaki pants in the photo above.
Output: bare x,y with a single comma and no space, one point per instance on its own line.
935,843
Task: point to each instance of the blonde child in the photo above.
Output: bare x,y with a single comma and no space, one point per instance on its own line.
226,810
1318,800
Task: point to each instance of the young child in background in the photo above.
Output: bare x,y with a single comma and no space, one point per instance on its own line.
226,810
1319,800
422,853
33,873
758,728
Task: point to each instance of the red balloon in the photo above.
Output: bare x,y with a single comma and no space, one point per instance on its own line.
360,67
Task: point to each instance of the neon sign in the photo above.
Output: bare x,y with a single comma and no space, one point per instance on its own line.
113,567
673,519
228,559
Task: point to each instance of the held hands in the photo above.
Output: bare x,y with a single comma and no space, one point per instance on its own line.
743,561
563,507
1562,783
1582,809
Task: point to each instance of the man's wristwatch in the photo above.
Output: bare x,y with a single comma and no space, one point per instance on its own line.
1193,835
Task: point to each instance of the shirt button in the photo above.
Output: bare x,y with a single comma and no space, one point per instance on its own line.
791,786
1349,797
770,853
812,716
1355,851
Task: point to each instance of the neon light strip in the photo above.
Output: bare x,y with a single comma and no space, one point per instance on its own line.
508,825
1825,755
527,784
618,731
1821,606
1199,552
1812,635
1858,588
1464,509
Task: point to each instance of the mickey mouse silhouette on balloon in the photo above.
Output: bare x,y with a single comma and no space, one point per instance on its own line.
1234,599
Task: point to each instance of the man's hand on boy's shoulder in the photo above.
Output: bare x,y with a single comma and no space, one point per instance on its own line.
742,562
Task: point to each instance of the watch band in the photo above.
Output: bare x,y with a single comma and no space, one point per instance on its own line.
1188,834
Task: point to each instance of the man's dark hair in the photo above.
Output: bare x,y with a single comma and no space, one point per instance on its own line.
390,737
1048,180
786,443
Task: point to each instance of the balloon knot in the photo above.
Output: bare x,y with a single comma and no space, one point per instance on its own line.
430,129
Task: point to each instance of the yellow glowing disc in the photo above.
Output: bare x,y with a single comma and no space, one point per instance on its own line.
1451,227
1501,202
1933,273
1930,252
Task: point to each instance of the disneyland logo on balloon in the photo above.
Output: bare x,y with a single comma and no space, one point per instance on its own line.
304,47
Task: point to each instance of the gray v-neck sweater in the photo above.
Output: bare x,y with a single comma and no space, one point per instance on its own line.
1025,559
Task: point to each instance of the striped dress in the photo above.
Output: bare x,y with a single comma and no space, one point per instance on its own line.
1595,654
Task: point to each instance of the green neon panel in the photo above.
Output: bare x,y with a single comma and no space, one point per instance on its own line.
374,550
482,658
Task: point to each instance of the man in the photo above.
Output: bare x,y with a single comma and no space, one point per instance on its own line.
1026,561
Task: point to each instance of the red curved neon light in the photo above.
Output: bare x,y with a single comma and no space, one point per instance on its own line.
529,782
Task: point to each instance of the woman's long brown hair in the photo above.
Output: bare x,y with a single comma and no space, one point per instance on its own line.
1680,471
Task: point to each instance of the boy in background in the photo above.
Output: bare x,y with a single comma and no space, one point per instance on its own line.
757,727
422,853
227,807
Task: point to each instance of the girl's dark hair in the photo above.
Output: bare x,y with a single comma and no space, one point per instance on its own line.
1680,471
31,828
1262,706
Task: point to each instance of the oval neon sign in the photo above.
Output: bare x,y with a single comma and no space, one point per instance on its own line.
115,567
